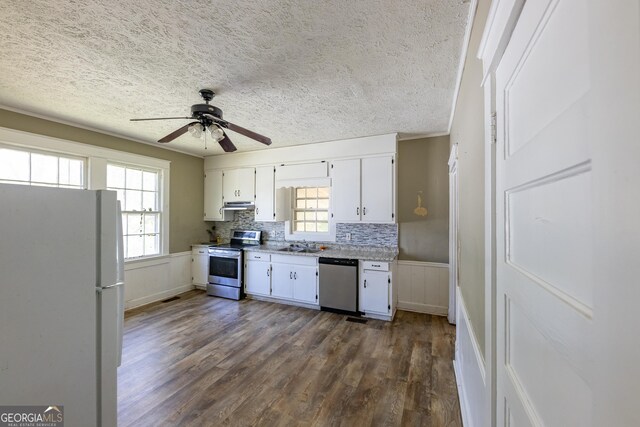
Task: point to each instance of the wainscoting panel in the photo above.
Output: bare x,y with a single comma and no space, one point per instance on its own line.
470,370
423,287
157,279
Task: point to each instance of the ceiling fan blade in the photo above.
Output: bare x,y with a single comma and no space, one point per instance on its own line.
226,144
176,133
248,133
159,118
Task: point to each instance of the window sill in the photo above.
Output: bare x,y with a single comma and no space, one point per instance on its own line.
150,261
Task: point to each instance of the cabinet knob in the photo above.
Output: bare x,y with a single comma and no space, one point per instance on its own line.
268,272
220,211
290,275
364,211
295,276
365,283
357,211
257,211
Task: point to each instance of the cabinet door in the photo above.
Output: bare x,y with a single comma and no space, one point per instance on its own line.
230,185
305,284
200,267
282,281
257,277
345,190
213,195
377,189
265,193
246,184
375,292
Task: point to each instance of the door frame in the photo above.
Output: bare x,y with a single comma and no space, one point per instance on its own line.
453,232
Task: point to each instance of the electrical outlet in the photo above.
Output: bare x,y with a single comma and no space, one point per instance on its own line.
347,236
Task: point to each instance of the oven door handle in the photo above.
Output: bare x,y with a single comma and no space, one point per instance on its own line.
224,254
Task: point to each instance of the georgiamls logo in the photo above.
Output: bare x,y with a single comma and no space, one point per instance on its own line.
32,416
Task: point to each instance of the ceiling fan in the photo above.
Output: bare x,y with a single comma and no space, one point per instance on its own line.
208,118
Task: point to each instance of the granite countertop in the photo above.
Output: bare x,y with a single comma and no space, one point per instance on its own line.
351,252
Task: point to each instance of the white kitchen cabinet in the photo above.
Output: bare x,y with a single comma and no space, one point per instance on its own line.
295,278
305,284
377,294
281,280
265,193
345,190
199,266
213,195
238,185
257,274
377,198
363,190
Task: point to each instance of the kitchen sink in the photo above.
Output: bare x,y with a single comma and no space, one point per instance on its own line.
299,250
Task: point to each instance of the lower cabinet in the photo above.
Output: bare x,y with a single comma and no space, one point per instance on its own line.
257,274
287,277
199,266
377,294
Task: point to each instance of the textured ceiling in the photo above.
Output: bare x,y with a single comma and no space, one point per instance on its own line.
296,71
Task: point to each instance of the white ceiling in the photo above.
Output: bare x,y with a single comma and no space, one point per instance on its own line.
296,71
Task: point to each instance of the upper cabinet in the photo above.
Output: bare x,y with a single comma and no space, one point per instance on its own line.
238,185
377,194
363,190
213,195
265,193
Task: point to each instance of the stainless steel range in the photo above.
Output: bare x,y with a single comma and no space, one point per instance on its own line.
225,264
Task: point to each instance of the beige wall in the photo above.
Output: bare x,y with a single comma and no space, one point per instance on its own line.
422,166
468,132
187,182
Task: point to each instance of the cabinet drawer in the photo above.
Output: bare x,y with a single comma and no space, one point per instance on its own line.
295,259
199,250
258,256
375,265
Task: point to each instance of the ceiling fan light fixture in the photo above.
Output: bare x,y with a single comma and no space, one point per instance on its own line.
216,132
196,130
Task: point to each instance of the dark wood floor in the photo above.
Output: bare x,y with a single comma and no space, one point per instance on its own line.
209,361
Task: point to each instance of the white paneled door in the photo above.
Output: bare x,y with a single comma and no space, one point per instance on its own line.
567,206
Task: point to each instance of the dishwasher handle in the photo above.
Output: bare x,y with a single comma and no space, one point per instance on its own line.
339,261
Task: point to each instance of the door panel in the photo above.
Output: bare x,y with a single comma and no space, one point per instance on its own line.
544,220
375,296
345,190
265,193
258,277
377,189
213,195
282,281
305,284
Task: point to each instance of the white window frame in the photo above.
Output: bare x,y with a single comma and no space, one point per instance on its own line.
159,205
96,169
30,181
289,227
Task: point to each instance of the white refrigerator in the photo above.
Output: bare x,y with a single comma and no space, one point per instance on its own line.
61,301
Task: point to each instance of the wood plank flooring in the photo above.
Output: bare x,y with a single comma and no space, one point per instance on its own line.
207,361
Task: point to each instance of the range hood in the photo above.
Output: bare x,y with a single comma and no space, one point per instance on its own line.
238,206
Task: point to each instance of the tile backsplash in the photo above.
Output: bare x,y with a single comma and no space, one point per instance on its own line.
383,235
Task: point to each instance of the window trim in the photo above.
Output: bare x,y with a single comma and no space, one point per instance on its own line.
31,150
289,225
96,168
159,205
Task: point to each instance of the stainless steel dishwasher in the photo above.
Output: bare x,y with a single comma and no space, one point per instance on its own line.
339,285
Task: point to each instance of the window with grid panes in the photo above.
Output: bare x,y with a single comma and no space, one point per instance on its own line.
311,210
29,167
139,194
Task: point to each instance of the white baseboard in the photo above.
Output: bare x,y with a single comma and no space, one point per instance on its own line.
423,308
423,287
469,368
159,296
